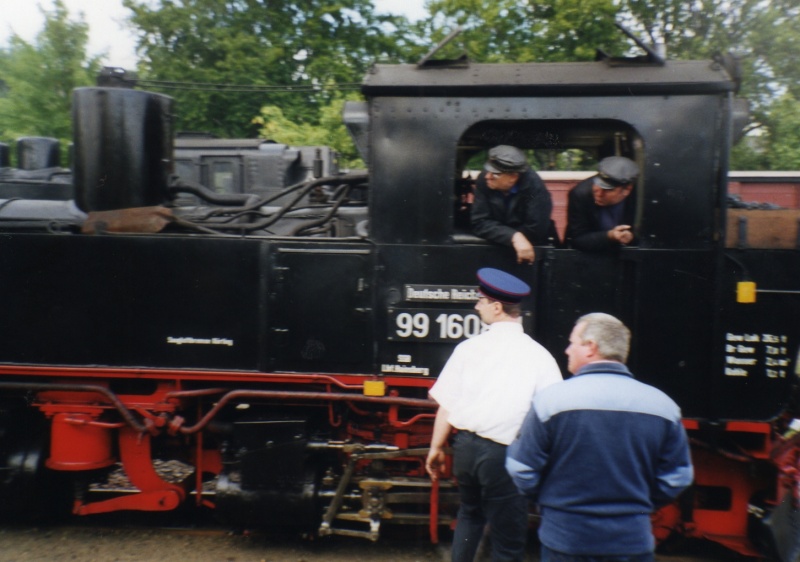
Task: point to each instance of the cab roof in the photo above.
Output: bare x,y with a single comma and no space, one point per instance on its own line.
547,79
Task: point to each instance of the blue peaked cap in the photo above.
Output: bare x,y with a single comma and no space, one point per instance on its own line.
502,286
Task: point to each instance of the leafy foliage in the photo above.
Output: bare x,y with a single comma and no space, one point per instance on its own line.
759,34
303,57
762,36
38,78
784,132
282,52
524,31
329,131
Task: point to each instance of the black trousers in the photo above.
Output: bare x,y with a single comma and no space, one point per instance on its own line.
487,495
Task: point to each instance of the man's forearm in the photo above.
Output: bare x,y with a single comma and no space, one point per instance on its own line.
441,429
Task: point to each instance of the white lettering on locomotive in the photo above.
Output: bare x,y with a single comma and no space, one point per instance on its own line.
199,341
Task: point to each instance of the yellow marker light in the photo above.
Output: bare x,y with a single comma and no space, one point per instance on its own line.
746,292
374,388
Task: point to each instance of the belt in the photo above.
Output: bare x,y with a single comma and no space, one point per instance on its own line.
473,434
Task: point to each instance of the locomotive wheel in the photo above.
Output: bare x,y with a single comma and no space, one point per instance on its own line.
29,491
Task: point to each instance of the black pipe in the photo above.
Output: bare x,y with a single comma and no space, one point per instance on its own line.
40,387
322,396
187,186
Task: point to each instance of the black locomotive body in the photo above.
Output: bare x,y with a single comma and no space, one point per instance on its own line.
278,344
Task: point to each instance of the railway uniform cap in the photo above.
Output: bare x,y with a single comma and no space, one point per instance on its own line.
506,159
615,171
501,286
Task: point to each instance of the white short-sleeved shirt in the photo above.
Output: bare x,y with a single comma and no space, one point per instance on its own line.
488,383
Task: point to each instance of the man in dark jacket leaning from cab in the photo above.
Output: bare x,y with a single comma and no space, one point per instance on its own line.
512,205
601,209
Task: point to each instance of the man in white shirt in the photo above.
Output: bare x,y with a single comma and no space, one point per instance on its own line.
485,391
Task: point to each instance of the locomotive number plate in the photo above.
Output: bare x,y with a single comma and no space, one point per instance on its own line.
433,325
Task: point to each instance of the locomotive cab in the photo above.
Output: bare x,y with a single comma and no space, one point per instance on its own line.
430,122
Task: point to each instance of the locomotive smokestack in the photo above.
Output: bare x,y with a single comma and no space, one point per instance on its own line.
37,153
123,148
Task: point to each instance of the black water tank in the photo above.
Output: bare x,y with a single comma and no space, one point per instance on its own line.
37,153
122,148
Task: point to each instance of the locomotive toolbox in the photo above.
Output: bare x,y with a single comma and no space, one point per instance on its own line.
277,335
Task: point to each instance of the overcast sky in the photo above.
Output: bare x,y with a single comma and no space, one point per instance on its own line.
108,35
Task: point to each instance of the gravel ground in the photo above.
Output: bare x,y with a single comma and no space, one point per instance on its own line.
93,544
166,545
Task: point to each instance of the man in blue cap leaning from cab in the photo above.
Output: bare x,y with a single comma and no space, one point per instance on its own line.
600,209
484,392
512,205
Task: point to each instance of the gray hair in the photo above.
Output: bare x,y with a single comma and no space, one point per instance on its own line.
612,337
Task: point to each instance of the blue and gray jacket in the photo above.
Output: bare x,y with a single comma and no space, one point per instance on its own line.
599,453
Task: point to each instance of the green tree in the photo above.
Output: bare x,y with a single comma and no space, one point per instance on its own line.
763,36
750,154
523,31
327,130
783,151
277,53
38,78
300,56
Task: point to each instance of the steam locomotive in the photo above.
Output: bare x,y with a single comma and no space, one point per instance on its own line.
276,343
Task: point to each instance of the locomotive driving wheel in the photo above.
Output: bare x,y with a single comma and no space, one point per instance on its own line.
29,491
